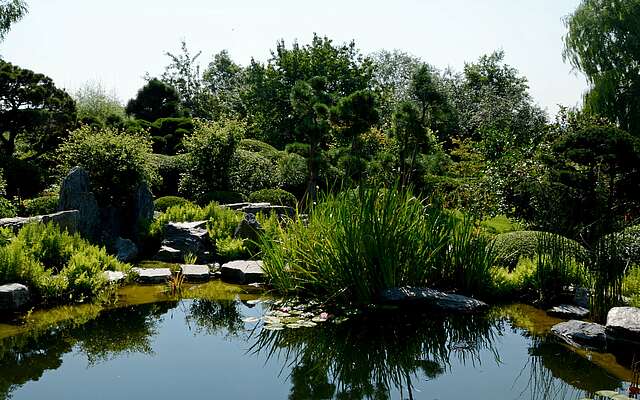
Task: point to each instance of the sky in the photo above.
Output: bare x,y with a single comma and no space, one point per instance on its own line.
116,42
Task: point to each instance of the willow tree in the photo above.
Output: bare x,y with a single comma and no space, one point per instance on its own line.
603,41
11,11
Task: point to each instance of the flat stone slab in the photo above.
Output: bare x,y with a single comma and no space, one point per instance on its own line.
429,298
182,238
623,323
152,275
569,311
14,297
581,334
64,219
266,208
242,272
192,272
114,276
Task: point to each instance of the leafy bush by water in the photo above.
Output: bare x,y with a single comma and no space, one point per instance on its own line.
510,247
161,204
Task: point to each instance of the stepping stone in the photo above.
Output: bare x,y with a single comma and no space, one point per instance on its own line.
411,297
623,323
580,333
568,311
152,275
195,272
242,272
14,297
114,276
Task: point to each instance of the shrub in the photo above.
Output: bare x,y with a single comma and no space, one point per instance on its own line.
209,152
359,242
302,149
256,146
170,168
3,184
510,247
250,172
167,134
7,208
39,206
116,162
631,286
274,196
56,265
518,283
229,249
162,203
224,197
293,172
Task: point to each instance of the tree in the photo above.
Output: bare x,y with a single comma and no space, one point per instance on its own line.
11,11
224,80
95,104
155,100
409,134
603,42
32,108
354,115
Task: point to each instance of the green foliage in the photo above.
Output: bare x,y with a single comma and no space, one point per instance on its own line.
250,172
3,184
117,162
302,149
333,257
167,134
33,110
11,11
39,206
208,159
512,246
170,169
7,208
95,104
631,286
353,115
56,265
499,224
274,196
293,172
223,197
256,146
229,249
161,204
601,41
155,100
518,283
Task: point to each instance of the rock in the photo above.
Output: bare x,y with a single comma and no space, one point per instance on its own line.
142,207
623,323
114,276
182,238
581,296
430,298
14,297
266,209
75,194
126,250
152,275
248,228
568,311
195,272
235,206
66,220
580,333
242,272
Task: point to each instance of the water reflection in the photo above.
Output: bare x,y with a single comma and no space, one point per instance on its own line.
370,356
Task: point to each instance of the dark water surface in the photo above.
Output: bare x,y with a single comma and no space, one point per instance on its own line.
154,348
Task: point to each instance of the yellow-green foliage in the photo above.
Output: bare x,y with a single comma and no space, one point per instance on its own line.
56,265
631,286
517,283
229,249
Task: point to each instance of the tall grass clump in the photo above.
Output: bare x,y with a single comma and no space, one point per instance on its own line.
56,265
608,265
359,242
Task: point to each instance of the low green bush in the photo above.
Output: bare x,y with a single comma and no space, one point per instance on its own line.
274,196
229,249
256,146
516,284
359,242
250,172
499,224
223,197
7,208
170,168
301,149
631,286
39,206
293,172
56,265
510,247
163,203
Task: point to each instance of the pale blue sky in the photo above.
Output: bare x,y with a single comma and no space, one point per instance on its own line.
117,41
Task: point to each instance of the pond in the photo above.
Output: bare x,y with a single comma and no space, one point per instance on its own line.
147,346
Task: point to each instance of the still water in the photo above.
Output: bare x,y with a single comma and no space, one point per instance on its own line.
200,348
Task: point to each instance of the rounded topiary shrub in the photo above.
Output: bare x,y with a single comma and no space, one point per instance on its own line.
256,146
251,171
274,196
293,172
223,197
39,206
510,247
162,203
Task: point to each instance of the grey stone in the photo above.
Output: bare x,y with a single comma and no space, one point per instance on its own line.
152,275
126,250
235,206
142,207
75,194
14,297
248,228
424,297
114,276
195,272
623,323
66,220
569,311
242,272
266,208
581,334
182,238
581,296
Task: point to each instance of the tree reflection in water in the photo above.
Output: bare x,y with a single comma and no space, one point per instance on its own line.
370,356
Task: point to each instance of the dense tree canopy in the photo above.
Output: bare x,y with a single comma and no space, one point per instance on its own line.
155,100
603,41
32,108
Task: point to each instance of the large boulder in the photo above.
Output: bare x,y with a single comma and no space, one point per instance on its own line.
142,207
66,220
14,297
568,311
581,334
623,323
413,297
242,272
248,228
126,250
75,194
267,209
182,238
